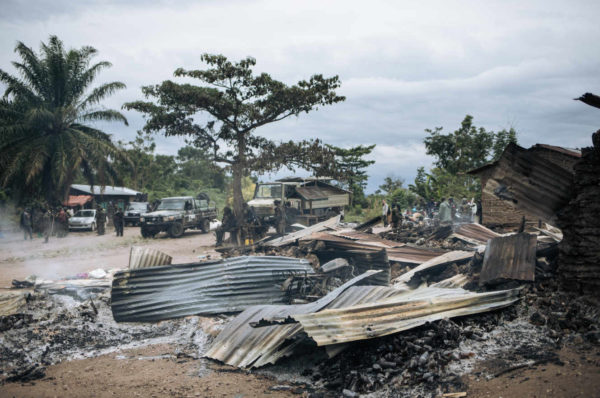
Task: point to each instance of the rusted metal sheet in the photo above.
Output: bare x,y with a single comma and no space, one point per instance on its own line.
144,257
294,236
244,346
13,301
456,256
231,285
352,240
475,234
398,313
528,181
319,192
509,257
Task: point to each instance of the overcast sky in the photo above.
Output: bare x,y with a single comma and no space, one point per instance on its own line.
405,66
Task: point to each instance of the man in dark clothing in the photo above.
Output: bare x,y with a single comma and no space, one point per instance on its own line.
396,216
118,221
228,223
47,221
27,224
100,220
63,223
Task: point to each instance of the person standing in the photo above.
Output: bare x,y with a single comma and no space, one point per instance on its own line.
228,224
445,212
100,220
63,223
27,224
384,212
47,224
118,221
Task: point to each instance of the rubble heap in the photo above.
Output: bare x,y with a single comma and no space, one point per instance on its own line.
580,224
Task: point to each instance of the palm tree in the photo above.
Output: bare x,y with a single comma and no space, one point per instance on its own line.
45,139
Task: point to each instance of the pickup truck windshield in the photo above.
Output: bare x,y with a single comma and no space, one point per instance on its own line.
270,191
171,204
137,206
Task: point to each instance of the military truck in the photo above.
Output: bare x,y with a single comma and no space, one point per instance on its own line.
175,215
304,201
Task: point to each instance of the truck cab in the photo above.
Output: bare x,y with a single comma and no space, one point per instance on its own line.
306,201
176,214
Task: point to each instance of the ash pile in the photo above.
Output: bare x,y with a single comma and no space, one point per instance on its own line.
331,309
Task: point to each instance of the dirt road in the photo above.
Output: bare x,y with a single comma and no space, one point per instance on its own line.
84,251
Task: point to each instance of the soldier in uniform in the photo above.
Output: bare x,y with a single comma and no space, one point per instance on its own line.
27,224
100,220
118,221
228,224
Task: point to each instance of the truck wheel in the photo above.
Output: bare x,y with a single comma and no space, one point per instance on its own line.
145,233
205,226
176,230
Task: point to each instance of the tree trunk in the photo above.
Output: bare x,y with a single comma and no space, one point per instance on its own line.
238,172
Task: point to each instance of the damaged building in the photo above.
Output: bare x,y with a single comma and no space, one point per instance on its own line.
545,169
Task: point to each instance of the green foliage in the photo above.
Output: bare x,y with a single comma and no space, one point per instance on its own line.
350,169
503,138
45,141
465,149
221,114
188,173
391,184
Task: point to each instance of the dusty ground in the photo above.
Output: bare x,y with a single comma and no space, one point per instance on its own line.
148,372
156,371
83,251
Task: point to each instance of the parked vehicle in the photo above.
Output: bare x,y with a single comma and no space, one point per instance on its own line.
83,219
304,201
175,215
133,212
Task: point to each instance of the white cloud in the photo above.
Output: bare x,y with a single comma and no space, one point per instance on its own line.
404,66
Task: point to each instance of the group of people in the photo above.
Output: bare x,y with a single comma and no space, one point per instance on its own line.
45,221
55,222
446,212
117,216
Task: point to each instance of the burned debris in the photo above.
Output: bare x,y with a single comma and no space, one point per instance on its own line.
374,312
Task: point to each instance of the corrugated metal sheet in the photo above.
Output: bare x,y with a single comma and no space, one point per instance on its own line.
576,153
529,182
243,346
456,256
13,301
509,257
395,314
312,192
354,240
231,285
106,190
476,234
144,257
294,236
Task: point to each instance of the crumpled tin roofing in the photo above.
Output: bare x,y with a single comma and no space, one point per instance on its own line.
455,256
397,313
231,285
509,258
353,240
473,233
242,345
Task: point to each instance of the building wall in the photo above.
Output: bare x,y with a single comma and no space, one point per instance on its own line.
497,212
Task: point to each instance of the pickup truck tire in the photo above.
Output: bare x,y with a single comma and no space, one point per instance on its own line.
176,230
146,233
205,226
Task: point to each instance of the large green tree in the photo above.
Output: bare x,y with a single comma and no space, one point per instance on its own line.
45,137
350,164
231,102
465,149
